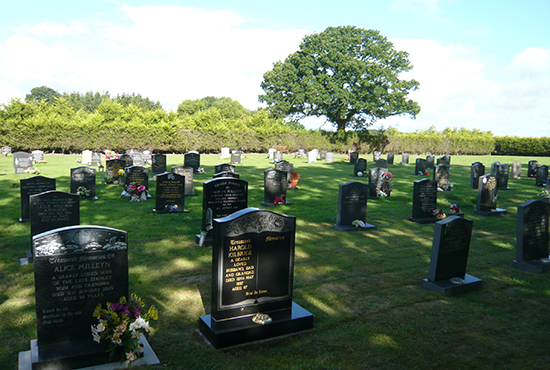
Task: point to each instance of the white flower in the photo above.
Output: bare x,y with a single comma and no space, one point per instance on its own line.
101,327
96,336
139,324
131,356
116,339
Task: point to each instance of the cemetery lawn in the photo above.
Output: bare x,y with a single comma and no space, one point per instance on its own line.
364,288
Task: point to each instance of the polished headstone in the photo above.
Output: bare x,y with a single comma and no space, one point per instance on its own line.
170,193
83,176
532,251
487,196
352,205
424,201
30,186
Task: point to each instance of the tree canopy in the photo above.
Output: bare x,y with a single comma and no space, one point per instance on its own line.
348,74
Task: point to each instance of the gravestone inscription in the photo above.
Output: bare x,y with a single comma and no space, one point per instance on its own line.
85,178
113,167
30,186
532,251
352,206
136,175
450,249
53,209
424,201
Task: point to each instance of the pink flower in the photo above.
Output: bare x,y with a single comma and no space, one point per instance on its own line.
141,188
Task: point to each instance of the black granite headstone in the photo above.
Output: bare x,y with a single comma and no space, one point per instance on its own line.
360,168
502,173
53,209
128,161
21,161
30,186
352,205
220,198
113,166
494,168
373,183
420,167
187,173
83,176
275,186
532,237
542,175
532,168
170,193
353,157
193,160
450,249
424,201
136,175
159,164
391,158
75,268
487,195
476,171
441,177
252,280
226,174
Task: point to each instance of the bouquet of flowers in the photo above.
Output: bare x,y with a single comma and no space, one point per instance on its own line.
439,214
279,200
454,208
135,193
387,183
358,223
32,170
110,155
83,192
122,324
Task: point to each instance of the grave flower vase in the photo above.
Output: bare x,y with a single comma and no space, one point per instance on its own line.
293,183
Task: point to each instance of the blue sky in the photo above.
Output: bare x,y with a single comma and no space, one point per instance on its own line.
481,64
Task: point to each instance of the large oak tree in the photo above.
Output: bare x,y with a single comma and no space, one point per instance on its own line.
348,74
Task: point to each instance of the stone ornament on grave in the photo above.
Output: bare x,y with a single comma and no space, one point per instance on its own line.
30,186
450,249
275,187
83,180
220,198
420,167
75,268
405,158
252,280
424,201
516,170
391,158
532,250
476,171
170,193
187,173
352,207
542,175
329,157
21,161
360,168
532,168
159,164
487,196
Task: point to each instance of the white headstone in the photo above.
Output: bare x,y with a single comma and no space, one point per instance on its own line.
271,152
312,156
225,153
87,157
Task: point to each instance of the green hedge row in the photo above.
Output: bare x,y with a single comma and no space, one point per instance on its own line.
511,145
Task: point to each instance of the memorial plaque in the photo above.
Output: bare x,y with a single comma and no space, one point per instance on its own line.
542,175
487,196
75,268
30,186
376,155
224,167
420,167
128,161
96,159
220,198
252,279
476,171
113,166
405,158
330,157
352,205
85,177
187,173
353,157
441,177
516,170
391,158
532,168
53,209
87,157
38,156
236,158
450,249
430,162
532,240
424,201
360,168
170,194
502,174
21,161
286,167
275,186
193,160
6,150
136,175
159,164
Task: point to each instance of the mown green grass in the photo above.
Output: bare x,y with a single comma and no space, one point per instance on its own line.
363,287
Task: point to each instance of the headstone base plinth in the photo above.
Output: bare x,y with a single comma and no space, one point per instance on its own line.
275,205
83,355
532,266
448,288
424,220
242,330
354,228
490,212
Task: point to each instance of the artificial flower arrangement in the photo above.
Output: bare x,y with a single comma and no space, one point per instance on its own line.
358,223
135,193
83,192
279,200
387,185
117,181
32,170
439,214
110,155
454,208
544,193
122,325
295,176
